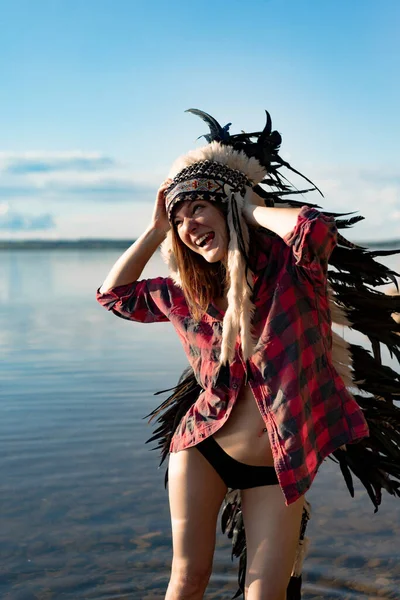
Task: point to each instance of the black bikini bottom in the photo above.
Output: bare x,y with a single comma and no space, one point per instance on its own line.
233,473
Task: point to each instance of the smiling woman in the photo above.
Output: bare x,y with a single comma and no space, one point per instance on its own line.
267,398
201,226
199,239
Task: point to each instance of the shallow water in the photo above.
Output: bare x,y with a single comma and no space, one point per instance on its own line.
83,508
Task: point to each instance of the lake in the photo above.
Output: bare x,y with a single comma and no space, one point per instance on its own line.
84,511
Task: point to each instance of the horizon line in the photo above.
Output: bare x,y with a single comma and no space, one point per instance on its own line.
124,241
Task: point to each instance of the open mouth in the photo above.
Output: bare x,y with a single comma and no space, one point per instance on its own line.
205,239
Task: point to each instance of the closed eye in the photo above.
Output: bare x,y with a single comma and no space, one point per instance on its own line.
178,222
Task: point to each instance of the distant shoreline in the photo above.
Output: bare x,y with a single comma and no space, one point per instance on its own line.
90,244
101,244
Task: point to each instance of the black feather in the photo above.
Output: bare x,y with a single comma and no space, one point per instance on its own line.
354,276
217,133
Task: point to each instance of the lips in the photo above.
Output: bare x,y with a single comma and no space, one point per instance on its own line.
205,239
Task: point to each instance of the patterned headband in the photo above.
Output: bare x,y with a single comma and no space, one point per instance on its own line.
204,180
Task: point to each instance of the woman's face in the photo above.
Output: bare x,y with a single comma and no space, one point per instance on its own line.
202,228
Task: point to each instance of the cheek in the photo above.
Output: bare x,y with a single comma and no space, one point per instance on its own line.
180,234
186,241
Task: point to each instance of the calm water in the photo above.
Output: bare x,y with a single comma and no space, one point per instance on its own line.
84,513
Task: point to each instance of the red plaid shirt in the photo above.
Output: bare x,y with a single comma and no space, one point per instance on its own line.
307,410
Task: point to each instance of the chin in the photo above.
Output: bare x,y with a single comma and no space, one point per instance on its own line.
217,257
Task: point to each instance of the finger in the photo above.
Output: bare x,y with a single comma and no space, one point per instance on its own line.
162,190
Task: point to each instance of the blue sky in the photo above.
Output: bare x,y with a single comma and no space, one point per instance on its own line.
93,97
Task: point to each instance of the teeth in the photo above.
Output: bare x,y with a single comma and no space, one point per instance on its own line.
202,238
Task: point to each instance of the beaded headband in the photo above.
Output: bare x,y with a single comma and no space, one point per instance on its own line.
204,180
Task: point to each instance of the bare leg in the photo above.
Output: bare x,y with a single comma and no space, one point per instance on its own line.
272,537
196,493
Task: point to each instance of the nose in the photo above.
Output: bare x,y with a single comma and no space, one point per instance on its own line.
189,224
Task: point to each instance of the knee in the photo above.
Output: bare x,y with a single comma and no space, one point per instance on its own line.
267,591
188,582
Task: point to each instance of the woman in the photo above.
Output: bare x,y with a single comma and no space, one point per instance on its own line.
248,298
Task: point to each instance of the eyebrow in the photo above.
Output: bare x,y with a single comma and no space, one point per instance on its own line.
191,202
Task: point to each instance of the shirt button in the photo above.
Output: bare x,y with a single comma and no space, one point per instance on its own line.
234,385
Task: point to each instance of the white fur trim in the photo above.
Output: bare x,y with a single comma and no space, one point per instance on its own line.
238,316
248,308
225,155
231,322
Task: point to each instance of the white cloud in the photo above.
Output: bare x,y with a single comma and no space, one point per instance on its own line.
13,221
83,194
72,175
26,162
116,221
371,192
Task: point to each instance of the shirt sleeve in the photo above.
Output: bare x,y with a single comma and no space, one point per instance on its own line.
145,301
312,239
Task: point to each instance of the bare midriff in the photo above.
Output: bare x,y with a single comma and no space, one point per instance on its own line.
244,436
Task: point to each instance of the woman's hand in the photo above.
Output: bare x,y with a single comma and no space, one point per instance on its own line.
159,219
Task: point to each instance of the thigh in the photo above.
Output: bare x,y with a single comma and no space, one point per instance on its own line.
272,537
196,493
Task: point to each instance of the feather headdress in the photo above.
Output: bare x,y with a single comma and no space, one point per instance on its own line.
354,302
229,169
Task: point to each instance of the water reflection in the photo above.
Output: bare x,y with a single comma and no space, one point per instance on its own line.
85,514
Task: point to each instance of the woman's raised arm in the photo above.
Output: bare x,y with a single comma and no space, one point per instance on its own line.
311,234
130,265
279,220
